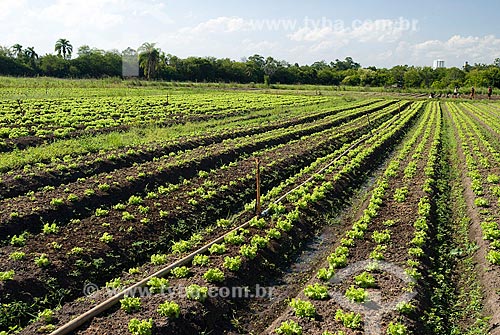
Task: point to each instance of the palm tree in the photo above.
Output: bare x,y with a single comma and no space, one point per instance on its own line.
64,47
31,55
17,49
149,56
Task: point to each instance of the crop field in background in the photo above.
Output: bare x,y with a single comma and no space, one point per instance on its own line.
367,198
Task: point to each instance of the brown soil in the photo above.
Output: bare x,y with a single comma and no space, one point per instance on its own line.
203,318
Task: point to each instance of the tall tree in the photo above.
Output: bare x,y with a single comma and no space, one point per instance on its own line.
31,56
17,50
64,48
30,53
149,56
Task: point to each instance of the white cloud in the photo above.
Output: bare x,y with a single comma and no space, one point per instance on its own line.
8,7
100,14
312,34
381,30
260,47
455,50
222,24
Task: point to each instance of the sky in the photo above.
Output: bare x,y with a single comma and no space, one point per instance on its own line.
381,33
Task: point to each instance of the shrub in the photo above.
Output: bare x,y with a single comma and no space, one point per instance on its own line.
396,329
302,308
201,260
248,251
126,216
7,275
169,309
196,292
217,248
214,275
130,304
50,229
19,240
106,238
135,200
180,272
325,274
356,294
100,212
144,327
259,241
289,328
316,292
481,202
232,263
181,247
17,255
42,260
365,280
158,259
157,285
349,320
57,202
381,237
46,315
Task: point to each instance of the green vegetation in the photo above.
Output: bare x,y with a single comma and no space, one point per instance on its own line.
130,304
7,275
137,327
181,272
214,275
157,285
169,309
289,328
302,308
232,263
316,291
348,319
196,292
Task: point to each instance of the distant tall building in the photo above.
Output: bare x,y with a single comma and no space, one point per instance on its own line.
438,63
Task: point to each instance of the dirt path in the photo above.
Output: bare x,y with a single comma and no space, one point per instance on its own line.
490,278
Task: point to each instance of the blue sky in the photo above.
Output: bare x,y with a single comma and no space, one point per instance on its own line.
381,33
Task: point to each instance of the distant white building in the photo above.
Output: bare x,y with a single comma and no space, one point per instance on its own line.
438,63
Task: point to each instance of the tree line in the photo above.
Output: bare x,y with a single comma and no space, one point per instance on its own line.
154,64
